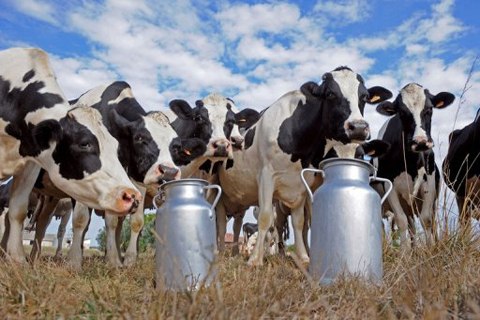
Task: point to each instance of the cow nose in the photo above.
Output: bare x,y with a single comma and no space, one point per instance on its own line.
237,141
221,147
168,172
128,200
358,130
421,143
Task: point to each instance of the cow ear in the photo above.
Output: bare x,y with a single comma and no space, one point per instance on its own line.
46,132
442,100
386,108
181,108
376,148
246,117
117,120
378,94
311,88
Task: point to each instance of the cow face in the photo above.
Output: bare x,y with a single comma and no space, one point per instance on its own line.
84,163
414,105
344,95
215,120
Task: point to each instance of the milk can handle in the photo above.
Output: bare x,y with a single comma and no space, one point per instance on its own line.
310,195
154,200
390,186
219,193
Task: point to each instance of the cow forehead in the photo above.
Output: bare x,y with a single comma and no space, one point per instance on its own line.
92,119
413,96
161,131
348,82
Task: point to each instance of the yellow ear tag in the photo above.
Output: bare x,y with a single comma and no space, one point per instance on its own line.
439,104
242,120
374,98
188,153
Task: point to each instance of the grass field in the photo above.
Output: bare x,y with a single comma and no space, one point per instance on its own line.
432,283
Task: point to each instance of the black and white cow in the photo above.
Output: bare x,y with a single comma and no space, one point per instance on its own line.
297,131
149,150
410,162
39,129
461,169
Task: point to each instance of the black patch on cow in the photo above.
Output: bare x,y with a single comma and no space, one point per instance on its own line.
462,161
28,76
191,122
229,164
302,135
216,166
78,151
229,122
249,136
183,151
206,166
16,104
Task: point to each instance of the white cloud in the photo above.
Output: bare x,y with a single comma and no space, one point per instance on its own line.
343,11
42,10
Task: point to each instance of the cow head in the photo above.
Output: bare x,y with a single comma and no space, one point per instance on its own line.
214,119
414,105
83,163
343,95
152,149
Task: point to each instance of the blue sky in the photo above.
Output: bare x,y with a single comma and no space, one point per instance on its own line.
254,51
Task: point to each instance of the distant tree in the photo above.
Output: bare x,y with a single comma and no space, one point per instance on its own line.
146,238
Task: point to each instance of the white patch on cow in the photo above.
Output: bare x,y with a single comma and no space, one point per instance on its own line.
342,150
348,83
126,93
418,181
403,186
413,96
162,133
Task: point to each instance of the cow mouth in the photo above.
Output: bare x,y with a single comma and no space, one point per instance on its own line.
421,147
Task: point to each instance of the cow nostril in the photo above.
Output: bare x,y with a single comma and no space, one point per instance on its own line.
351,126
127,197
161,169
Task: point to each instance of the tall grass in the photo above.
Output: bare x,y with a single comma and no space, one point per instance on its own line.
442,281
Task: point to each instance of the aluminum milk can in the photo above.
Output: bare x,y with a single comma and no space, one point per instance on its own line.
186,243
346,230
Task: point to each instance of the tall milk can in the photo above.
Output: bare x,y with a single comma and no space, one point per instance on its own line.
187,242
346,230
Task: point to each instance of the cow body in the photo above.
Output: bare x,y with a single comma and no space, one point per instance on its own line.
410,162
461,169
295,132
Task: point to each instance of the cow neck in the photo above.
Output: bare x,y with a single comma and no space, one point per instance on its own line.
301,134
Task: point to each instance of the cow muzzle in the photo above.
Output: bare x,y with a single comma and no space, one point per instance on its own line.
127,201
357,130
222,148
168,172
237,142
420,144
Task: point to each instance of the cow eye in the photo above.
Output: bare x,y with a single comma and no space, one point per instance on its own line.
330,95
138,138
84,145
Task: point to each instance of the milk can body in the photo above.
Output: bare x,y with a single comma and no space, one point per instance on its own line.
186,243
346,227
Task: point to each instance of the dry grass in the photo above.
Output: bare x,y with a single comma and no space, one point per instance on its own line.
438,282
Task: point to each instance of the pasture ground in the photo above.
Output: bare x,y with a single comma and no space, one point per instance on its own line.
442,281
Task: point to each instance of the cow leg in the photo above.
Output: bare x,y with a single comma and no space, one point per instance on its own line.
2,222
112,256
412,229
118,235
427,214
81,218
136,226
265,216
298,222
221,219
17,209
306,225
43,220
237,227
400,219
62,228
281,219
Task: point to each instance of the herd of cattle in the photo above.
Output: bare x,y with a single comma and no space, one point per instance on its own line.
105,152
